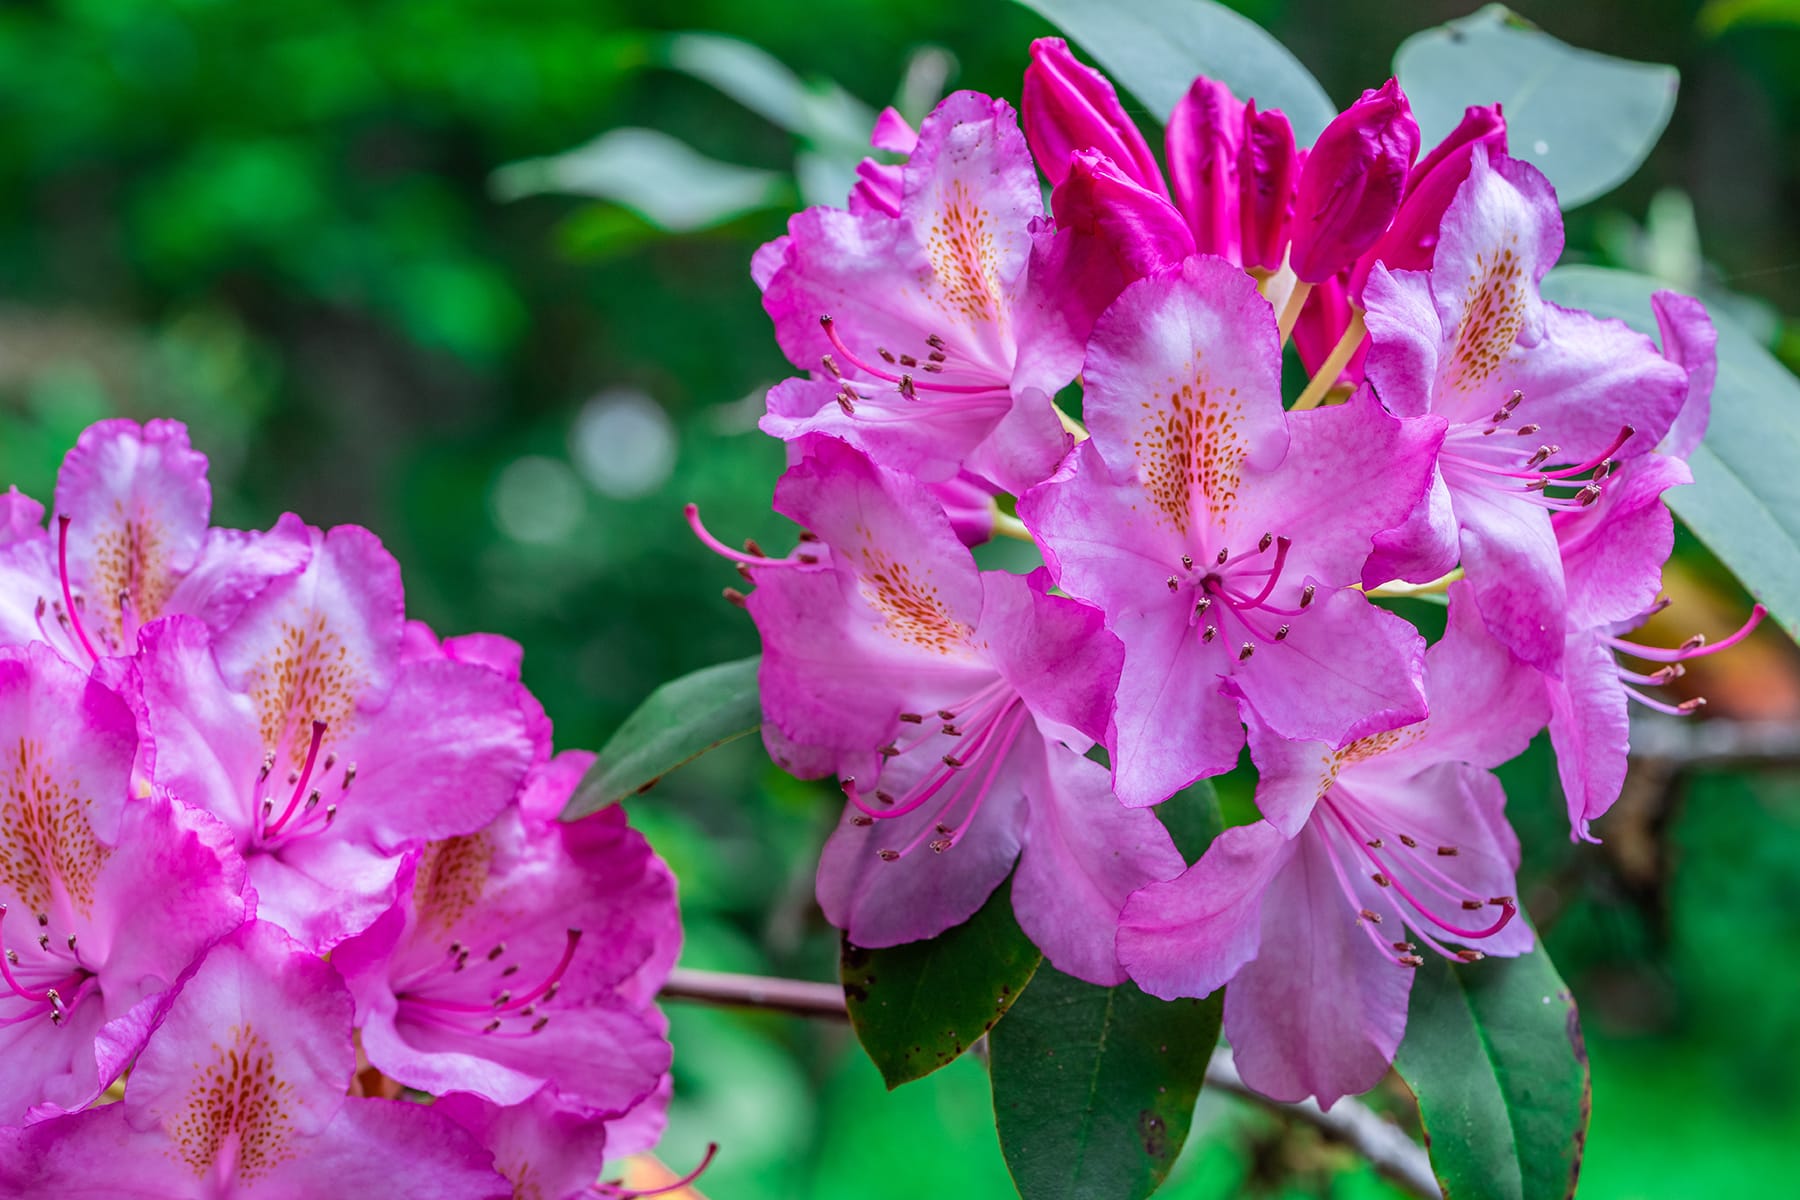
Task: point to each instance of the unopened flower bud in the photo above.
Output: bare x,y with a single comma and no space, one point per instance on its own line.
1352,183
1410,243
1067,106
1267,165
1203,144
1110,233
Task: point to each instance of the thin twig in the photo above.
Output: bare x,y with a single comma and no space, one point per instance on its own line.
792,996
1716,743
1349,1123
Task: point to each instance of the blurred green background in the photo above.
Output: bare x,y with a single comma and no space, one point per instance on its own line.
281,221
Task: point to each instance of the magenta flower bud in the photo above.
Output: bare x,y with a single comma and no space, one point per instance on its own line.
1411,241
1202,145
1352,183
1267,165
1066,106
1110,232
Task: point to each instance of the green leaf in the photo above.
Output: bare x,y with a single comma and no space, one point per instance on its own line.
916,1007
1745,499
661,178
821,113
1193,818
681,720
1493,1052
1586,120
1094,1087
1154,48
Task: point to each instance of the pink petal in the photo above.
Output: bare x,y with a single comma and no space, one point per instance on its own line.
1690,342
281,1009
921,894
1613,551
1069,107
1191,935
1203,140
138,501
1182,379
1291,1037
1590,728
1085,853
1509,552
1346,669
1055,651
1351,472
392,1148
21,517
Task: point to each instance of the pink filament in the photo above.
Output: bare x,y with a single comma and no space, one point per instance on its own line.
1659,654
62,569
18,989
513,1003
312,754
618,1193
692,512
837,343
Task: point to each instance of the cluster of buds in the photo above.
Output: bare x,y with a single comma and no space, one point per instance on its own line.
1212,555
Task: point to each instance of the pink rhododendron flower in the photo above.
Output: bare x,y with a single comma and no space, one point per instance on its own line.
932,351
953,704
1397,836
1536,397
522,957
129,543
1221,535
105,898
329,756
241,1093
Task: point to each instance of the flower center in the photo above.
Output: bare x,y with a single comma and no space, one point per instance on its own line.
441,994
971,739
1474,457
51,980
911,375
1232,595
298,806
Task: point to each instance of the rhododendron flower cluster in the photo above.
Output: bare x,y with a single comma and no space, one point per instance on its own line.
1215,556
279,867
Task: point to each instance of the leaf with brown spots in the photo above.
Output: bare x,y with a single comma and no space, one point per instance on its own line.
1494,1054
1094,1087
681,720
918,1006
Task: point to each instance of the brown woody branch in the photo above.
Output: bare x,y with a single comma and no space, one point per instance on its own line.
1349,1123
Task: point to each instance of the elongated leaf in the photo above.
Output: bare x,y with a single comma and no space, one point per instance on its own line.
1586,120
1493,1052
681,720
1094,1087
917,1007
821,113
1154,48
1745,499
661,178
